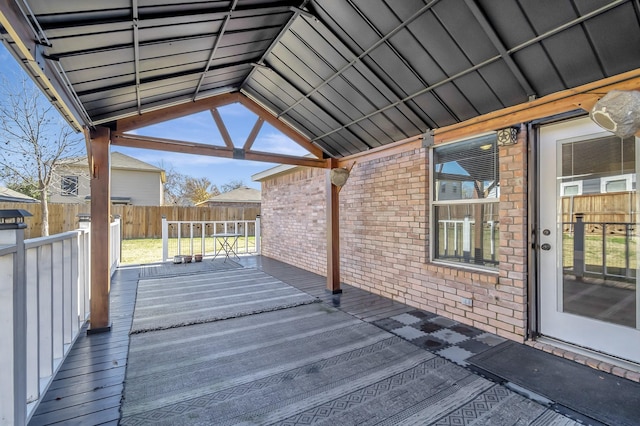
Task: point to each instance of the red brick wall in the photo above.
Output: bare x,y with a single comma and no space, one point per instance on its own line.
384,225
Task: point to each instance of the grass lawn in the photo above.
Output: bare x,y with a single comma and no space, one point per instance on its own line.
144,250
149,250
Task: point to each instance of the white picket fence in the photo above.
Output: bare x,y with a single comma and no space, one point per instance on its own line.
44,302
199,237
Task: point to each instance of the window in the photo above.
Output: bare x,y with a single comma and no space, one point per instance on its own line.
619,183
465,221
571,188
69,185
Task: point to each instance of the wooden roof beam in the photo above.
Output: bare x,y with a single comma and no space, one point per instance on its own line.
287,130
222,128
582,97
268,157
165,114
254,134
185,147
171,145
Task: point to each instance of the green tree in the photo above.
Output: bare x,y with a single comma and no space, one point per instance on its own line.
29,188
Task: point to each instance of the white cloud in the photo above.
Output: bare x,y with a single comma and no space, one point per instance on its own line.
278,143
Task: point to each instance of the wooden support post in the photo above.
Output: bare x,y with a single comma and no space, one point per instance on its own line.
100,176
333,232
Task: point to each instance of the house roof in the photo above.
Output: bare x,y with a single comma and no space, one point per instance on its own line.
238,195
273,171
118,161
9,195
122,161
347,75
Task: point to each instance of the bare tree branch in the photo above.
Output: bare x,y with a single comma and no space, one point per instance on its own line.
33,140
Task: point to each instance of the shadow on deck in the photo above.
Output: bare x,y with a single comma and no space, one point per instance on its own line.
88,388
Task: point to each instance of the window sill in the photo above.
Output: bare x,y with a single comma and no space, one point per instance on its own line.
466,267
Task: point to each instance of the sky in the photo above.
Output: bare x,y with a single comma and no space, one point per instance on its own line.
198,128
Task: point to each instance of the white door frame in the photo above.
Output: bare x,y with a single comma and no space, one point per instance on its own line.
605,337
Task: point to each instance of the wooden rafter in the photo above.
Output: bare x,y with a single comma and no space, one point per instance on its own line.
165,114
280,125
254,134
226,137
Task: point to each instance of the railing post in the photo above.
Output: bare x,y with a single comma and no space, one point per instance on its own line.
84,223
203,239
191,238
165,239
578,246
13,317
118,244
257,232
466,238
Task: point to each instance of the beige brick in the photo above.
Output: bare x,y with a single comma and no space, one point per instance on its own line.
632,375
501,310
385,232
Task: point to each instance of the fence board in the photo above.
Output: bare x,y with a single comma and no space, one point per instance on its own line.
137,221
616,207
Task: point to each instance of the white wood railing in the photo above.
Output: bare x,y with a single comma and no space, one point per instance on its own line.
197,237
44,302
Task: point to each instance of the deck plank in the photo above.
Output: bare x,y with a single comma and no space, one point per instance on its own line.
88,386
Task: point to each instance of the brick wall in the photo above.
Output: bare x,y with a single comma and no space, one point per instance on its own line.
293,219
384,238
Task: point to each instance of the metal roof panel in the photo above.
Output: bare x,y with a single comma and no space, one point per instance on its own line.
350,74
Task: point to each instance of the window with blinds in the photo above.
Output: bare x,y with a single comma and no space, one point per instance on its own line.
69,185
465,196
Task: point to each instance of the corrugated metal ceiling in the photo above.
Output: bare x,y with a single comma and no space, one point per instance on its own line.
348,74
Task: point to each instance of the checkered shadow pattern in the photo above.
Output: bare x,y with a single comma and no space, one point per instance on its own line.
442,336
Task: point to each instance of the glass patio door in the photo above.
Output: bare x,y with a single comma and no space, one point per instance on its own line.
588,238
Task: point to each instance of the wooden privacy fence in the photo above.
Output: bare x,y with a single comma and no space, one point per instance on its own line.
618,207
137,221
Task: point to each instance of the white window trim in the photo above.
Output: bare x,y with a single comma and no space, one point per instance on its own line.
563,185
627,178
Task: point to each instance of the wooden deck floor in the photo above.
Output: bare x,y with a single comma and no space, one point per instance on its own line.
88,387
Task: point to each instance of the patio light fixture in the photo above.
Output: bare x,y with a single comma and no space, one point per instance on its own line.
13,218
618,112
339,176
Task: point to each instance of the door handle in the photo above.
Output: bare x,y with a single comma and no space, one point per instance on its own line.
546,246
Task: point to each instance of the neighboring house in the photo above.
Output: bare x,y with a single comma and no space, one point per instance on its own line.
241,203
133,182
10,196
239,197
